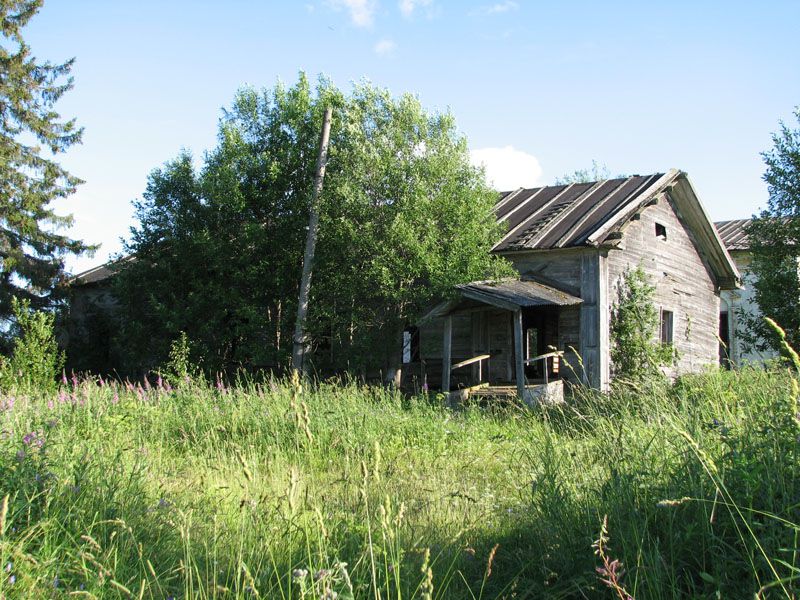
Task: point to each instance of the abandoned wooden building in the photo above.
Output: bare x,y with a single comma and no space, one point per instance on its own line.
737,306
571,245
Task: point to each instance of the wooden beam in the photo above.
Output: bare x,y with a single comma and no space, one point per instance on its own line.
520,359
448,339
469,361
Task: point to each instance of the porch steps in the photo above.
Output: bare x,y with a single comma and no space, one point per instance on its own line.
537,393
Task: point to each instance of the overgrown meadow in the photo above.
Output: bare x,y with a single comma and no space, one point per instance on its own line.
274,489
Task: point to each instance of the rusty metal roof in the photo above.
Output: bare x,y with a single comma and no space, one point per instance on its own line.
733,233
562,216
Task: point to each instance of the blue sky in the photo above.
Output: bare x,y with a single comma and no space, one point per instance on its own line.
539,88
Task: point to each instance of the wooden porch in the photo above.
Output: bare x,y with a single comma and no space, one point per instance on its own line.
512,330
547,390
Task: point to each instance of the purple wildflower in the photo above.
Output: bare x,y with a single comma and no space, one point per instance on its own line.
74,380
34,438
64,378
50,404
160,383
115,399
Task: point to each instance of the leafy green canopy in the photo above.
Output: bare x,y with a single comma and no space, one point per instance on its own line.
775,241
31,253
403,217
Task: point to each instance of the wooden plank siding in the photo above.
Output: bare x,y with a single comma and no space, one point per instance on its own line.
683,280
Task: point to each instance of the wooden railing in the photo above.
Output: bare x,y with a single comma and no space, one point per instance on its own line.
481,357
475,359
543,358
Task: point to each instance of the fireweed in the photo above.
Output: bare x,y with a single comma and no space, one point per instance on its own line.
281,489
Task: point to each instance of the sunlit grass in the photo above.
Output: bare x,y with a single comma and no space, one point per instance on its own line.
334,490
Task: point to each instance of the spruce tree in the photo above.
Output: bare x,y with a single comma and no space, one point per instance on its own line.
32,134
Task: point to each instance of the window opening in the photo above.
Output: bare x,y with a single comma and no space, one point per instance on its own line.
666,327
661,232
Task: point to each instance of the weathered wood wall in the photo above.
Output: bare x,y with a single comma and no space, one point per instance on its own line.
559,268
684,284
739,305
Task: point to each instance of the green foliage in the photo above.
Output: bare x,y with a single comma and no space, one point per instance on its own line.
274,490
597,172
775,242
636,354
179,367
403,217
32,253
36,360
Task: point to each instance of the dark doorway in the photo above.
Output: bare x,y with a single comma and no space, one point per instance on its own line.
724,341
540,328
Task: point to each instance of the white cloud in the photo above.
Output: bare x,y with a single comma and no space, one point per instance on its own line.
407,7
496,8
385,47
508,168
362,12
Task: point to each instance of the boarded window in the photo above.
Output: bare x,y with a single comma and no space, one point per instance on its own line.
666,327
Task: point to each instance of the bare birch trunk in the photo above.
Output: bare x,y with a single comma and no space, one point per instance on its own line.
299,340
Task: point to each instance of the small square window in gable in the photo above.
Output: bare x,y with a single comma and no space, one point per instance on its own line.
661,231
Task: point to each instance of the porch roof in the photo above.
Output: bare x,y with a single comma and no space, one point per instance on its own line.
508,294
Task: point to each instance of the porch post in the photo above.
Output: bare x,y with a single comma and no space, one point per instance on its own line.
446,359
518,351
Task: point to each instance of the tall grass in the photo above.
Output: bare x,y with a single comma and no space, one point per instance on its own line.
275,490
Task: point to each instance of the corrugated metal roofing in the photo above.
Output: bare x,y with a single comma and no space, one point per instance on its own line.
733,234
519,293
562,216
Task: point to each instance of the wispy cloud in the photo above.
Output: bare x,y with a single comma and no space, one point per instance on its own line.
362,12
496,8
385,47
508,168
407,7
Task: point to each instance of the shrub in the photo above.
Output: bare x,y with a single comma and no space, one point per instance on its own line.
35,360
635,352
